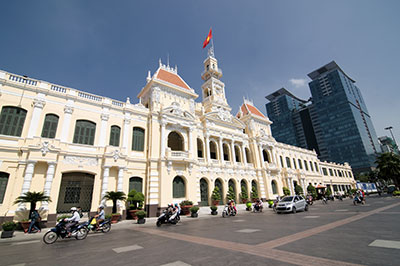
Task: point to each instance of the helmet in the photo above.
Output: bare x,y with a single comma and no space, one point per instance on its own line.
176,204
101,207
73,209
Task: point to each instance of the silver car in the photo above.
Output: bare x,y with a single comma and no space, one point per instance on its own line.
292,204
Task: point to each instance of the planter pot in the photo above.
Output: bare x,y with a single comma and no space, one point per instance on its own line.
244,201
185,209
141,221
132,214
115,218
214,212
7,234
215,202
194,215
25,225
248,209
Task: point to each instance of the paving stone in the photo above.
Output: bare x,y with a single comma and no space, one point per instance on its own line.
176,263
248,230
127,248
310,217
385,244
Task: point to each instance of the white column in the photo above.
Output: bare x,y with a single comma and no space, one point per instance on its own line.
163,123
191,150
104,186
66,123
221,150
207,145
29,170
244,155
125,139
233,152
261,155
120,185
103,129
289,180
49,180
38,105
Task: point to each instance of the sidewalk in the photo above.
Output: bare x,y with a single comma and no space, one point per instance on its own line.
204,213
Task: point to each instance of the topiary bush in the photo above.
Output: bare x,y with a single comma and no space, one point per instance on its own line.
8,226
298,190
286,191
231,194
194,209
141,214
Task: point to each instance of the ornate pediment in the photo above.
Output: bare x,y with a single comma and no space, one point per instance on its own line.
176,111
225,117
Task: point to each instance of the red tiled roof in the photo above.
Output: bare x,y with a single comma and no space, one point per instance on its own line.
171,78
246,108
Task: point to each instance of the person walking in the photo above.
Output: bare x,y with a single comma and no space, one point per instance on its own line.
35,219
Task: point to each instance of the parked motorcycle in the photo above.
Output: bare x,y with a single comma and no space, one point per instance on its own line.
324,200
164,218
78,231
228,211
104,226
257,207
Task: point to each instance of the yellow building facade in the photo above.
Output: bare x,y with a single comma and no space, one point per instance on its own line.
76,146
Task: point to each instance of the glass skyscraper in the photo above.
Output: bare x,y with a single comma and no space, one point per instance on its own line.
335,123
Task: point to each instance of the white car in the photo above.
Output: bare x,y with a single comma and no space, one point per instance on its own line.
292,204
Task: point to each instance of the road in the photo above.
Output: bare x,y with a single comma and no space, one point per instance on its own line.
335,234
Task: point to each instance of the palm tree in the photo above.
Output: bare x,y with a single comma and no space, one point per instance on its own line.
114,197
32,198
388,165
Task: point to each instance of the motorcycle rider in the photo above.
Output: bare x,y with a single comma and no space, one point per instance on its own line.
100,216
178,209
171,212
72,221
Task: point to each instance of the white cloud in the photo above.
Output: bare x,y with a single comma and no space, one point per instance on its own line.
297,83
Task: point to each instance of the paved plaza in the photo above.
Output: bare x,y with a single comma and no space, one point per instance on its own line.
335,234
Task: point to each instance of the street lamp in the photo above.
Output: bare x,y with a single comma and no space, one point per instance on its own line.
390,129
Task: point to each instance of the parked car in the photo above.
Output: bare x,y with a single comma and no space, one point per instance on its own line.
292,204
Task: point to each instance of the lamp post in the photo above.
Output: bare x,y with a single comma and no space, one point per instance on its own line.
391,133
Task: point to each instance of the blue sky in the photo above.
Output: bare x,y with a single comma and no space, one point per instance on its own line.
107,47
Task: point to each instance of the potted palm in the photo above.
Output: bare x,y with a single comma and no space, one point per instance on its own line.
140,215
32,198
8,229
215,196
193,211
114,196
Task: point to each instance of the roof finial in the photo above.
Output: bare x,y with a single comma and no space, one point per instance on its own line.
159,62
168,60
148,76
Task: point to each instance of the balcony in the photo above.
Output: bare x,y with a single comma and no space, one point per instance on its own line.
178,154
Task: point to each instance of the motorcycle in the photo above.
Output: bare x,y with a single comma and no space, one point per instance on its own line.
324,200
104,226
309,201
164,218
228,211
78,231
357,200
257,207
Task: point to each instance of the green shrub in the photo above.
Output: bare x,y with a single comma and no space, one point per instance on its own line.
286,191
254,193
298,190
396,193
186,203
141,214
214,208
244,195
231,194
270,202
249,204
328,192
216,195
108,216
8,226
311,190
194,209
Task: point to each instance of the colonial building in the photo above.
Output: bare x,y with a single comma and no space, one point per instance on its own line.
76,146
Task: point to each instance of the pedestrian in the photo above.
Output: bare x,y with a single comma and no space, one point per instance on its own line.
35,219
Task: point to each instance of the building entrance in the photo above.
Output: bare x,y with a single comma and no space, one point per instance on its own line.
76,190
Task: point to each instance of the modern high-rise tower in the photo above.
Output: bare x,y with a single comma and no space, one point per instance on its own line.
335,123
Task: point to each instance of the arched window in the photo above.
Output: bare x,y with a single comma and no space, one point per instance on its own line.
316,166
178,187
136,183
203,192
300,164
175,141
213,150
232,184
84,132
237,154
50,126
115,135
266,156
226,151
138,139
248,155
281,159
3,185
311,166
274,187
12,121
294,163
200,153
288,162
306,165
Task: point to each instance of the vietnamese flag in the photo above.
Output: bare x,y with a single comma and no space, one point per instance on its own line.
207,41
